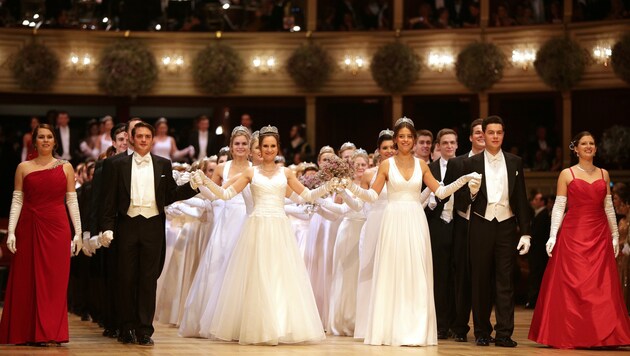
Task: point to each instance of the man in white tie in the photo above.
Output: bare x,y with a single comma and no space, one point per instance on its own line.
141,185
440,218
499,213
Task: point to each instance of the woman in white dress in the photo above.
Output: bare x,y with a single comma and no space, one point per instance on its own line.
225,232
370,232
165,146
107,123
345,261
402,308
266,296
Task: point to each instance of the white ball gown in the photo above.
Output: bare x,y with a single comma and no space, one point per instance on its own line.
211,269
402,308
266,295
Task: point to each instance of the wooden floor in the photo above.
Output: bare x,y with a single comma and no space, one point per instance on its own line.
86,339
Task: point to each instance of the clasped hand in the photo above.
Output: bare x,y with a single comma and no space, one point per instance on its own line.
474,184
338,185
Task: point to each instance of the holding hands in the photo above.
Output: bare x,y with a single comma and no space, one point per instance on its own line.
474,184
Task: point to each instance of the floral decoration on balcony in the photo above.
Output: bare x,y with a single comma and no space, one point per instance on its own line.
217,69
620,58
561,62
35,67
310,66
395,66
479,66
127,68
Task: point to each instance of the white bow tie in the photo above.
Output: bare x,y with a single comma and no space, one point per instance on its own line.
141,160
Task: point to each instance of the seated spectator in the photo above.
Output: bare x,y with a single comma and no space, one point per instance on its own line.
473,17
502,18
377,15
424,20
443,18
556,162
459,12
526,15
555,12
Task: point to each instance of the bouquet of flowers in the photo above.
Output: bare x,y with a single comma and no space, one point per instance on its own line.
338,171
310,181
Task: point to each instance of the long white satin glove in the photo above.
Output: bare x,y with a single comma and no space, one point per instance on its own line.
14,216
612,222
225,194
524,244
311,195
626,249
87,249
474,185
73,208
297,211
424,197
445,191
339,209
353,203
557,214
296,198
106,238
367,195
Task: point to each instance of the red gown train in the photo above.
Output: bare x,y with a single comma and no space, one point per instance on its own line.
35,307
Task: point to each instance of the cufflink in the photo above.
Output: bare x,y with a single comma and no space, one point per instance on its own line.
162,176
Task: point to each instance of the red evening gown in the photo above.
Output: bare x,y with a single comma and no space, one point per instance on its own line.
35,308
580,303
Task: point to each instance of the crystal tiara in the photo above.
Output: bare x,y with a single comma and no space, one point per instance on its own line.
269,129
360,152
386,132
347,146
241,128
404,119
327,149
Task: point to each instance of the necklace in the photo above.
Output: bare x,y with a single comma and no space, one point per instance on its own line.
585,170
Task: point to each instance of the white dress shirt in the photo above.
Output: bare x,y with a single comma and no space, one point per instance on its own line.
497,187
447,212
142,187
64,132
203,145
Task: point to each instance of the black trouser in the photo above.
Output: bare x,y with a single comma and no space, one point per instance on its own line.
461,262
537,259
443,282
140,260
110,296
492,254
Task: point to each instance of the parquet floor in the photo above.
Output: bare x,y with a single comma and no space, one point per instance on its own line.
86,339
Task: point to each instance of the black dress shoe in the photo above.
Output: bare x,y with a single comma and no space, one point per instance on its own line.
492,340
127,337
145,340
460,338
529,305
442,335
505,342
85,317
482,341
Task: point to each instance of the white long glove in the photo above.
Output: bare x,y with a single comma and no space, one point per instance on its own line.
311,195
106,238
354,203
297,211
338,209
424,197
612,222
294,198
200,179
73,208
445,191
14,216
557,214
367,195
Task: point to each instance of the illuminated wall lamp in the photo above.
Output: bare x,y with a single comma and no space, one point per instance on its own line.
80,64
523,58
602,54
353,64
264,65
172,63
440,61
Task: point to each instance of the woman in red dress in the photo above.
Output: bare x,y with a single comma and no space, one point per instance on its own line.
580,303
35,310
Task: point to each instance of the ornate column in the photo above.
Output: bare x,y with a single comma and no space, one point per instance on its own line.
566,128
310,120
396,108
483,104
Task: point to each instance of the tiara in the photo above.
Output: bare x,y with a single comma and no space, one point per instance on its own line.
404,119
309,165
347,146
241,128
386,132
255,134
224,150
269,129
326,149
360,152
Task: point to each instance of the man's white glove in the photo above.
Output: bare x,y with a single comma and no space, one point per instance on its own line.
612,222
73,208
194,180
106,238
14,216
474,185
626,249
95,242
557,214
523,244
87,249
